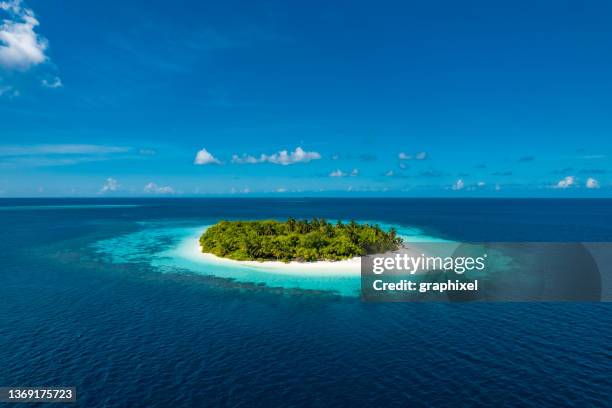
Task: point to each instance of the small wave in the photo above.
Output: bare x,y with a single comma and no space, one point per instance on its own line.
63,207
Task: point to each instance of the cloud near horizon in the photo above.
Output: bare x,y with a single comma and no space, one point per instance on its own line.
417,156
340,173
155,189
203,157
592,183
566,182
458,185
282,157
109,185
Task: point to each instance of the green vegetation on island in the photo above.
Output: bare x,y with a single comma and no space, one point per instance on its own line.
296,240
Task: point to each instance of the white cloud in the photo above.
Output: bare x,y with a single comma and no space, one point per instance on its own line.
340,173
10,6
481,184
297,156
109,185
8,91
203,157
417,156
245,190
390,173
458,185
497,187
53,83
281,190
283,157
592,183
404,156
244,159
67,149
57,154
155,189
566,182
43,161
20,46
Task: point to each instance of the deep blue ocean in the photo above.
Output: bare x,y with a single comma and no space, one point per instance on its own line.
82,304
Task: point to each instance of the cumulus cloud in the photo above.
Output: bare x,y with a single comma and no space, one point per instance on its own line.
417,156
390,173
481,184
155,189
340,173
404,156
109,185
282,157
204,157
20,46
592,183
244,159
52,83
566,182
458,185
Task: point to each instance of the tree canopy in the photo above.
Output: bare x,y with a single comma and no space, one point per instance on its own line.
296,240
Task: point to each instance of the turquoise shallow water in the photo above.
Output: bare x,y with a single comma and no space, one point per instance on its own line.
173,249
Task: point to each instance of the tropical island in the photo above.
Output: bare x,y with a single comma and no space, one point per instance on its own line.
296,240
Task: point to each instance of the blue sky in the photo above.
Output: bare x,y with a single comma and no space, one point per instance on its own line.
437,98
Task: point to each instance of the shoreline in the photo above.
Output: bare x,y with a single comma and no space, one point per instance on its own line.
348,267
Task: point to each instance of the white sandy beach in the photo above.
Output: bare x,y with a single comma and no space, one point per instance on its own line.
349,267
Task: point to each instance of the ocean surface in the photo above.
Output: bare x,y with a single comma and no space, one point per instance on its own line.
102,294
